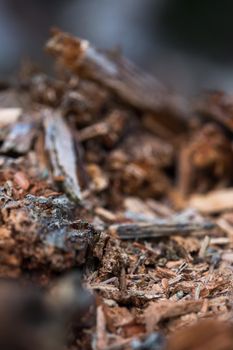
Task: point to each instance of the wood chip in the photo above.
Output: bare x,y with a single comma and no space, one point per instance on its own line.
213,202
9,115
120,75
162,228
60,146
160,311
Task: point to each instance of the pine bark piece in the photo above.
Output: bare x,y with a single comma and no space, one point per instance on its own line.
164,310
118,74
59,144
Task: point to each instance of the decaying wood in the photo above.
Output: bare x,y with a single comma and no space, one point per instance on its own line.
59,144
120,75
159,229
157,312
101,170
52,232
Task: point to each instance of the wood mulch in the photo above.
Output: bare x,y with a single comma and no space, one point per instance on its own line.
116,209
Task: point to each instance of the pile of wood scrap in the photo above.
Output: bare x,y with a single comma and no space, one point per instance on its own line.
107,174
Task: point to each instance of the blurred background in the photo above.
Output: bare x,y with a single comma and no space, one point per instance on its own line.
187,44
